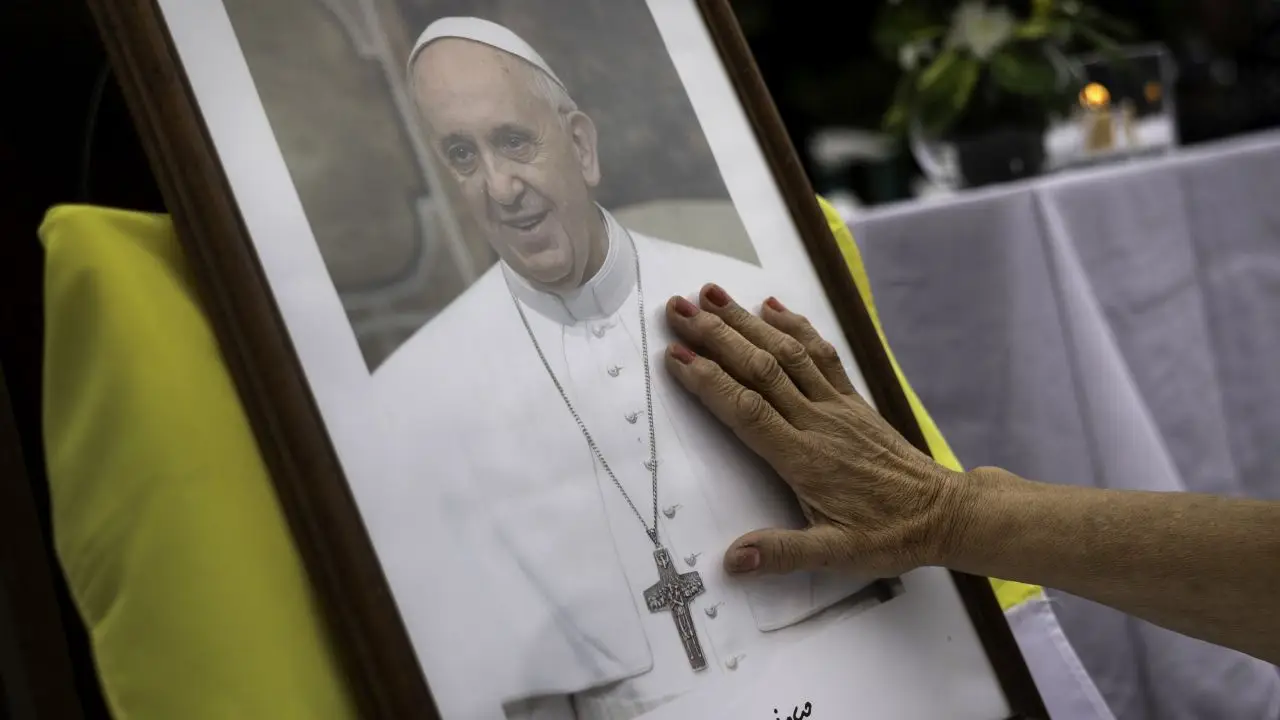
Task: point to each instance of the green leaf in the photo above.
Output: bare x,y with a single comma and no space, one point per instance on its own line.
933,32
945,88
1042,29
1034,29
1099,40
1042,8
969,72
902,105
1105,23
938,71
895,119
1024,73
902,24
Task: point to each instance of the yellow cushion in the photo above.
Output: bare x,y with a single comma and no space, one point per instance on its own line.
175,548
1008,593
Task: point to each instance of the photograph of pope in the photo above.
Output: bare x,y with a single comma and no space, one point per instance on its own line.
594,500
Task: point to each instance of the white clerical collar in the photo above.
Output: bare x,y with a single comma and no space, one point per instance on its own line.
599,297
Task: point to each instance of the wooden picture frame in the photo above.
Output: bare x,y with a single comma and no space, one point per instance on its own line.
335,543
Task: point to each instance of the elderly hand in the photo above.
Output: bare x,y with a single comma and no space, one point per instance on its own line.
876,505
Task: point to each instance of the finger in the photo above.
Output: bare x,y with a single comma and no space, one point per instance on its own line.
822,352
788,351
742,409
784,551
750,365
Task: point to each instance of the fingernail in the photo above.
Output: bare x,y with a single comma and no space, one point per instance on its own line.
717,296
682,353
744,560
773,303
685,308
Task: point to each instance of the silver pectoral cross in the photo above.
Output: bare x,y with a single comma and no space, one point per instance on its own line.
673,591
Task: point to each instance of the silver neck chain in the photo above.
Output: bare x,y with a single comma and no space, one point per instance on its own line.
652,465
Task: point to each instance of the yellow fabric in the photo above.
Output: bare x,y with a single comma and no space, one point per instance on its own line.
1012,594
1009,593
175,548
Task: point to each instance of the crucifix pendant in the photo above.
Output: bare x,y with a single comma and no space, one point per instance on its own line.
673,591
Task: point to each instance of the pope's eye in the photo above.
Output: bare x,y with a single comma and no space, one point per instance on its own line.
513,142
461,155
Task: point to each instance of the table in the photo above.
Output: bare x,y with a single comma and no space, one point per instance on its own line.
1117,327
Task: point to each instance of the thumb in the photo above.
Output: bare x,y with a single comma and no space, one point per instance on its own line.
784,551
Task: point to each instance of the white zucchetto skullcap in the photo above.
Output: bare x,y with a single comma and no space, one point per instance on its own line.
481,31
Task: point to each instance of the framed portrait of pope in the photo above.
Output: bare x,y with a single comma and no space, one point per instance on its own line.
439,236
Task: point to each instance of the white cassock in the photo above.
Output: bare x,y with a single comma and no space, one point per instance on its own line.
554,561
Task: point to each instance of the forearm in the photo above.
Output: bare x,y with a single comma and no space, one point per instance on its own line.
1204,566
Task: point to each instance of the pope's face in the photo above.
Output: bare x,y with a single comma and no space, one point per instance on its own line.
525,173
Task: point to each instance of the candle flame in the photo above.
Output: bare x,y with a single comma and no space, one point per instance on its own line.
1095,96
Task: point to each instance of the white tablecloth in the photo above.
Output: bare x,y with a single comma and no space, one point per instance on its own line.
1116,328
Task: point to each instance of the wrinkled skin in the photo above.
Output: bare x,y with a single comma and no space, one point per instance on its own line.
877,506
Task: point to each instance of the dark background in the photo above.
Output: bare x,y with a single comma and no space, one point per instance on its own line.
823,71
818,65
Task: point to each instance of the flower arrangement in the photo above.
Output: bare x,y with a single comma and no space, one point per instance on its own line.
971,66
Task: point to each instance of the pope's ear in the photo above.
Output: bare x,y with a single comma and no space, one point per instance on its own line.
583,132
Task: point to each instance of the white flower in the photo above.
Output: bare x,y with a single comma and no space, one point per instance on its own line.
913,55
909,56
980,29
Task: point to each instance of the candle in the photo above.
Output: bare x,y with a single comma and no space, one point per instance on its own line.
1098,126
